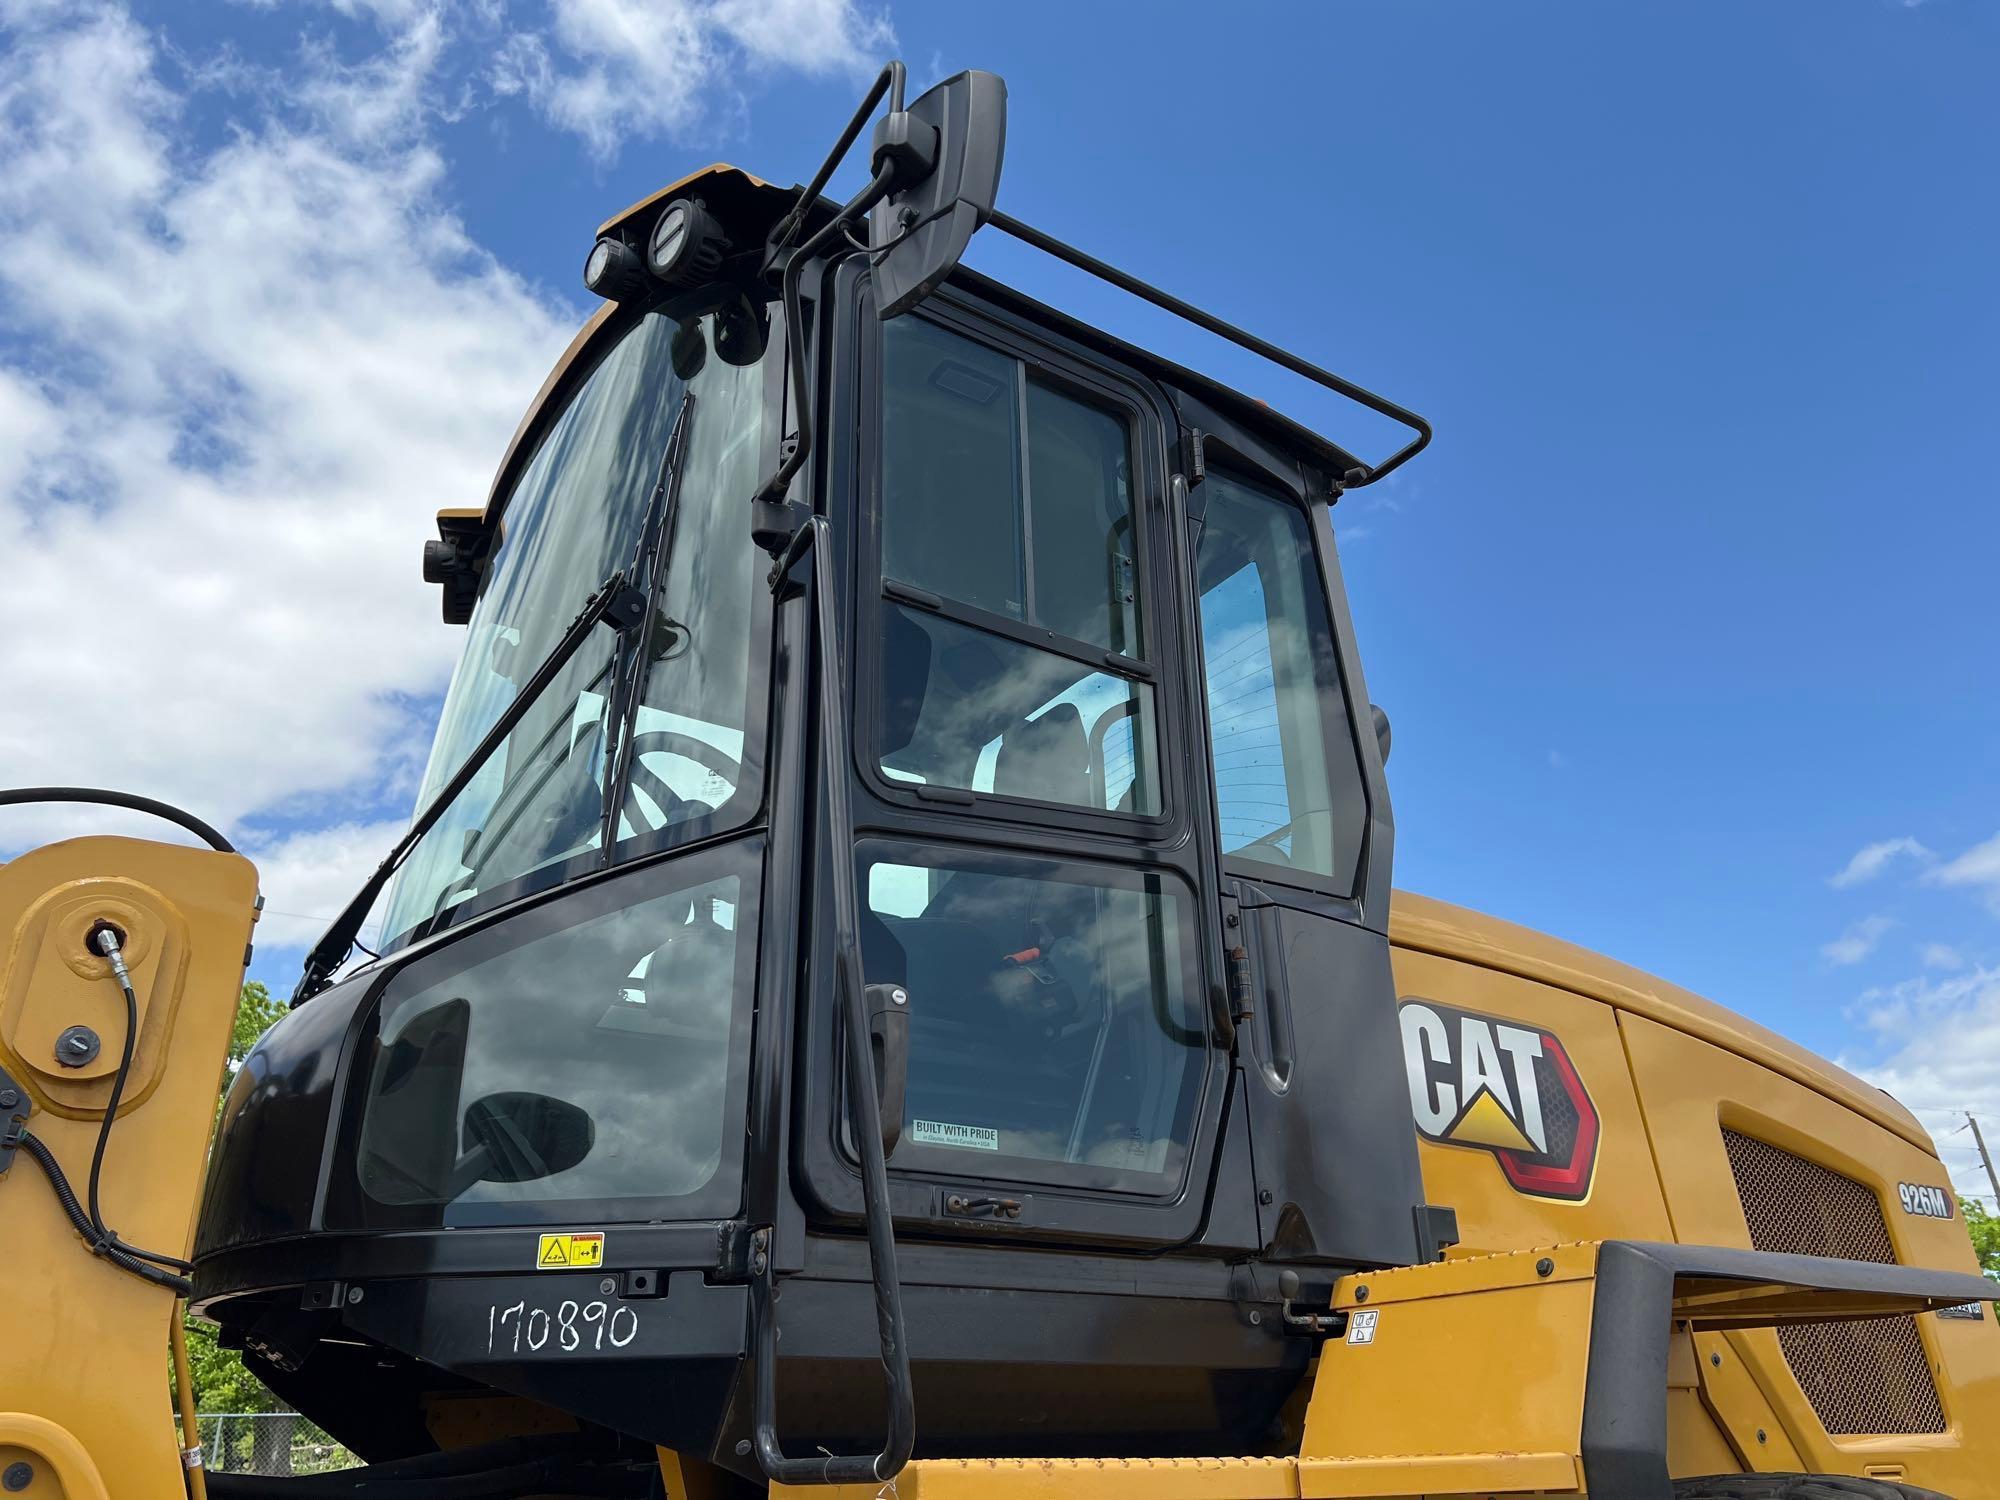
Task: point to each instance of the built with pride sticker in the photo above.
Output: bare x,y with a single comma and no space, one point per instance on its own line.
941,1133
570,1252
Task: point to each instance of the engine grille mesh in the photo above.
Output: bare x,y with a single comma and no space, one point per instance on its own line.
1868,1376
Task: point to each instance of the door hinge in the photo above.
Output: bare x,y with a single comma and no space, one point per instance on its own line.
1242,996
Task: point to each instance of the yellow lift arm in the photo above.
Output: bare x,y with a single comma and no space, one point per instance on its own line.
85,1412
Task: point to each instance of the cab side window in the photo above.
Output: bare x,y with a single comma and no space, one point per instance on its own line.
1013,640
1287,777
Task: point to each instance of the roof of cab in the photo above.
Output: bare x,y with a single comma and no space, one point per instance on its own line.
740,197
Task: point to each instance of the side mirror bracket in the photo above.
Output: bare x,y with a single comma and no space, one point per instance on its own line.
935,168
946,149
906,145
456,560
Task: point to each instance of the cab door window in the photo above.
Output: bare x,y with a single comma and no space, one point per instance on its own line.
1014,660
1056,1034
1287,778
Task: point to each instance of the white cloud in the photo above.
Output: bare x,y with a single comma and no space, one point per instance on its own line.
308,877
235,384
238,377
617,70
1941,1057
1874,859
1940,956
1858,941
809,35
1978,867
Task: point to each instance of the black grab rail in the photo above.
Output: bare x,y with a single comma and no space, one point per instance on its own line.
1125,281
863,1099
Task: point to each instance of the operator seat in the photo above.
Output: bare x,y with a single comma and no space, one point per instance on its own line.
1046,758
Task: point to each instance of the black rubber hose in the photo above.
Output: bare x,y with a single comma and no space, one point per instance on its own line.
15,796
99,1244
105,1232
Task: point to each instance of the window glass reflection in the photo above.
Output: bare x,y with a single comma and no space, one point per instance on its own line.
1053,1026
587,1066
1287,777
969,709
1003,492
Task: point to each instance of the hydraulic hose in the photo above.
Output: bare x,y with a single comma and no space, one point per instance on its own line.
109,1249
16,796
148,1265
106,940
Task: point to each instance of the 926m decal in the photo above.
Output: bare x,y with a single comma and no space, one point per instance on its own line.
1924,1202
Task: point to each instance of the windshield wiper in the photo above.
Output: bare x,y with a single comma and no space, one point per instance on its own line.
495,840
649,570
618,603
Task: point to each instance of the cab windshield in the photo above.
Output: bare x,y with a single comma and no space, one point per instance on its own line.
608,476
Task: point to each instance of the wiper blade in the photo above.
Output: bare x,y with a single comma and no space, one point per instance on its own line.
649,568
618,603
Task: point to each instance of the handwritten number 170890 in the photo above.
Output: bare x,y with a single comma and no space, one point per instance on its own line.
569,1329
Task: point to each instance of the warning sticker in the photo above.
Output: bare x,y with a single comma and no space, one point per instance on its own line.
1361,1326
940,1133
570,1252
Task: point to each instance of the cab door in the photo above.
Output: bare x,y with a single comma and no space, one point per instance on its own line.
1033,854
1304,831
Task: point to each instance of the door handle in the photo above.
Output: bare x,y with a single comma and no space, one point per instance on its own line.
889,1043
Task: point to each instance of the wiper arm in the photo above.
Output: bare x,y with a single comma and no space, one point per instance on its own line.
616,602
519,795
649,568
516,797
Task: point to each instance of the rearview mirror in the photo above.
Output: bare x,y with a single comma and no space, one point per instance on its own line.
1381,730
918,234
518,1137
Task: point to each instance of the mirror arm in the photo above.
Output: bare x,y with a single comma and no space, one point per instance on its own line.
770,524
889,81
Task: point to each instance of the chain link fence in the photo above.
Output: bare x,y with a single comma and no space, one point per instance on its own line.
269,1443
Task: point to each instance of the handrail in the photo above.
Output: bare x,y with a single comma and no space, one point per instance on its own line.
863,1101
1339,385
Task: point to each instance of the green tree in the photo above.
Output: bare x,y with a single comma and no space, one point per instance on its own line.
1984,1226
221,1383
256,1013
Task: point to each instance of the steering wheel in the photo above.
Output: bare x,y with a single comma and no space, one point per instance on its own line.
1270,853
688,747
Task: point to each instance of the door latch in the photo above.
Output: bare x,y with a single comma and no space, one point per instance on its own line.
1317,1324
982,1208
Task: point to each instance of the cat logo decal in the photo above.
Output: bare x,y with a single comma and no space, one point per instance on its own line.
1495,1085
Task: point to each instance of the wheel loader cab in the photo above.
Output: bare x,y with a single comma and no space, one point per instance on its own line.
1113,790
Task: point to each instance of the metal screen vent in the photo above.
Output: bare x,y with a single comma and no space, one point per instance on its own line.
1864,1377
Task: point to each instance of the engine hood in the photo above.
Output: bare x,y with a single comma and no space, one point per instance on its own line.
1430,926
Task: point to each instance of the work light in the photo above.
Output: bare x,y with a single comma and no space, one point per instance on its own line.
614,271
687,243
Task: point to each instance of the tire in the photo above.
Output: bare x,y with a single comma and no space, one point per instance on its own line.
1797,1487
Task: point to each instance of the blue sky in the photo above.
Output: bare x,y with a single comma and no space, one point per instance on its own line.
1692,601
